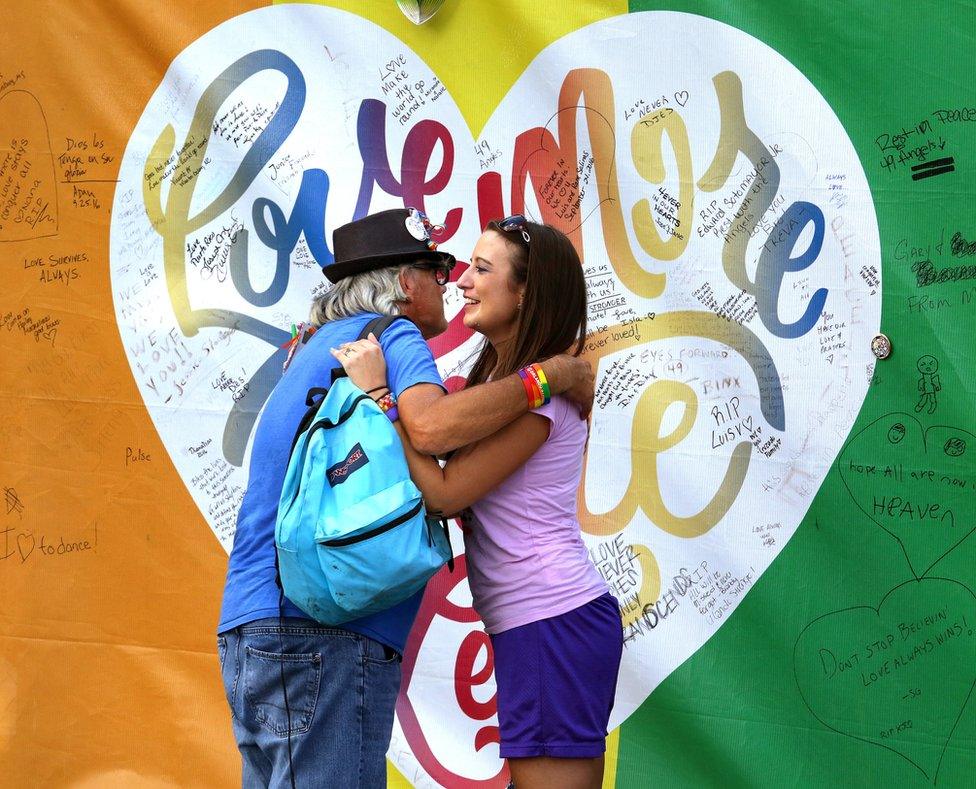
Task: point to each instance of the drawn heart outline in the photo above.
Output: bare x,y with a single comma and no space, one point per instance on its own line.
902,480
25,536
868,673
29,202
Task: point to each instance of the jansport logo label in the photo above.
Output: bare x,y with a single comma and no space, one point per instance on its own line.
340,471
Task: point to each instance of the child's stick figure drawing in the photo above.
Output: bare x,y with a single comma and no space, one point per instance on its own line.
929,383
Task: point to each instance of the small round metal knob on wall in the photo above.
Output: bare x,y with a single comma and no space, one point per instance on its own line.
881,346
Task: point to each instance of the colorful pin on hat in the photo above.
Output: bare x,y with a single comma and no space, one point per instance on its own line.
415,225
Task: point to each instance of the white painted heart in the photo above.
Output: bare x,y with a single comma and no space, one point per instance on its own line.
724,284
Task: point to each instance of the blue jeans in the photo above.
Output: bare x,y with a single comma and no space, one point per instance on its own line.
340,688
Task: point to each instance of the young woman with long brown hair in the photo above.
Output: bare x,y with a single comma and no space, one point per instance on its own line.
555,628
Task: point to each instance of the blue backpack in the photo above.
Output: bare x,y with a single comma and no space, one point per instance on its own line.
353,537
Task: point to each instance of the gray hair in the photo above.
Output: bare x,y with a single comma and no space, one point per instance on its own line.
376,291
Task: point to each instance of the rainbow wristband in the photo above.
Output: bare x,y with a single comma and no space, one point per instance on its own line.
542,381
533,389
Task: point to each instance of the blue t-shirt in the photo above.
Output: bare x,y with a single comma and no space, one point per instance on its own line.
251,591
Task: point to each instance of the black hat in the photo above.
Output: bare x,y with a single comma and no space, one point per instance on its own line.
387,238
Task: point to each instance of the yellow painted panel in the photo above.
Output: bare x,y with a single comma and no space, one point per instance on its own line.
478,48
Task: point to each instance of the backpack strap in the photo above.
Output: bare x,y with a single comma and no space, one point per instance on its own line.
317,394
377,326
447,534
313,399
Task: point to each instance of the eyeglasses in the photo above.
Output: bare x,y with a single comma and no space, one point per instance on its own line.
515,222
442,271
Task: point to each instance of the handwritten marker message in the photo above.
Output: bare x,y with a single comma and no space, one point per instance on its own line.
28,192
22,545
41,328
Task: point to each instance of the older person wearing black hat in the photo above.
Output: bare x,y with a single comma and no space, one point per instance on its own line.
313,705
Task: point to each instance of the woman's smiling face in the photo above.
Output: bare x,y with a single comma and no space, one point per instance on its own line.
491,297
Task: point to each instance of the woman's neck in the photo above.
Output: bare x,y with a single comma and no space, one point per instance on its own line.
502,345
501,348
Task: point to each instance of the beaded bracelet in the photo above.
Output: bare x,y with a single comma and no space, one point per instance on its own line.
386,402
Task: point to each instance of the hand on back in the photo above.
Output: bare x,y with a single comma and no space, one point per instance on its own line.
573,378
363,362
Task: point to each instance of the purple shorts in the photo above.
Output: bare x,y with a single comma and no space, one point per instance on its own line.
556,682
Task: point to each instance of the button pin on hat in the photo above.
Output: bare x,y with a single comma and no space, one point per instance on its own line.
415,225
420,227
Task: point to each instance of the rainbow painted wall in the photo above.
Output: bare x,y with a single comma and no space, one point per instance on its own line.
784,511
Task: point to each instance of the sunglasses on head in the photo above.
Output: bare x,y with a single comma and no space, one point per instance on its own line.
442,271
515,222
